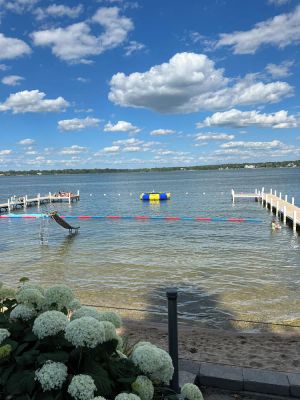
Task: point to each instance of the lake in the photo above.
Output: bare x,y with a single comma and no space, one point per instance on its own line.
222,270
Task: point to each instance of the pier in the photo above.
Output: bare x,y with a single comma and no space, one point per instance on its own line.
277,203
22,202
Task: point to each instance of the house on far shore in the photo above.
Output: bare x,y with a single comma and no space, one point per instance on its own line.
249,166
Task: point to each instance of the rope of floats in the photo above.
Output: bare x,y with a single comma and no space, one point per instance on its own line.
135,217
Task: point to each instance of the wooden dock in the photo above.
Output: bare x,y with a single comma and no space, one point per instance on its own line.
17,202
276,203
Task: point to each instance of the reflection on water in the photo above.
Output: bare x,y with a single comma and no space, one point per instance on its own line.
223,270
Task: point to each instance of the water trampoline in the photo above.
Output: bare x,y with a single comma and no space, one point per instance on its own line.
151,196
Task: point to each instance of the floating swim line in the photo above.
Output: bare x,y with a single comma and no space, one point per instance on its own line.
134,217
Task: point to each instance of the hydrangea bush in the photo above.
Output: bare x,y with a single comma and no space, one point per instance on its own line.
52,348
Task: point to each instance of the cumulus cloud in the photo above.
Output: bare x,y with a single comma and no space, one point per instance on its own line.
77,124
162,132
213,136
240,119
12,80
5,152
190,82
18,6
26,142
76,42
274,144
280,31
75,149
121,126
110,150
32,101
279,70
11,48
58,11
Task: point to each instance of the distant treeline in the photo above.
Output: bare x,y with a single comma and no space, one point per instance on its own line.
275,164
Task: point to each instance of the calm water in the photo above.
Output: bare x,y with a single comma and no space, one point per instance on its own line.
223,270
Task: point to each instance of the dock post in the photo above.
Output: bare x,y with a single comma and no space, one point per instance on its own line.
25,201
232,195
50,197
275,192
271,191
280,195
271,204
284,215
266,201
78,192
8,205
293,201
295,221
39,199
285,197
255,191
69,197
277,208
173,335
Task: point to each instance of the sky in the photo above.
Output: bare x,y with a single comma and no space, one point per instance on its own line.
148,83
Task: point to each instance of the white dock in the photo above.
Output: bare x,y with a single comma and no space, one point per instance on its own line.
276,203
24,201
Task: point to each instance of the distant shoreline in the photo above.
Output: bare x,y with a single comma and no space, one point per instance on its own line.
68,171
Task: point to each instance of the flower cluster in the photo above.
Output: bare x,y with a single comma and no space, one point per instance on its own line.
30,296
6,293
32,286
85,332
23,311
109,331
191,392
110,317
5,351
52,375
59,296
4,334
86,312
82,387
143,387
99,398
49,323
153,362
74,305
127,396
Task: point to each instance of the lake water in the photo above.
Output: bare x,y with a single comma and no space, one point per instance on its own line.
223,270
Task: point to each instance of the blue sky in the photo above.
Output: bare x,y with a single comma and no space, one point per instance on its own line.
132,84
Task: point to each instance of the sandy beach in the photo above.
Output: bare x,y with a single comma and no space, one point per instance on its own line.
273,351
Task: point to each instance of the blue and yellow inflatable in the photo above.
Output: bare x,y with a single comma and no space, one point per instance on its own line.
155,196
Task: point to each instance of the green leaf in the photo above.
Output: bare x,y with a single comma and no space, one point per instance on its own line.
27,358
21,382
59,356
5,373
30,337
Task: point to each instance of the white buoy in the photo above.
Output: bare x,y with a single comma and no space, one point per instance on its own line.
203,192
104,194
186,192
119,194
91,194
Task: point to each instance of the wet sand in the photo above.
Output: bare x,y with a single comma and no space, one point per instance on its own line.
274,351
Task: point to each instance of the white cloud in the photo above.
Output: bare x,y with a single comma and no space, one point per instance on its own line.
18,6
12,80
190,82
58,11
76,42
121,126
162,132
5,152
82,80
11,48
26,142
110,150
274,144
75,149
278,2
213,136
133,47
3,67
279,70
281,31
32,101
239,119
77,124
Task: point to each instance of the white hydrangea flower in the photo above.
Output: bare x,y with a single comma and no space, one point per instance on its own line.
120,345
49,323
110,317
52,375
109,330
59,295
127,396
4,334
191,392
82,387
85,332
6,293
29,296
74,305
99,398
153,362
86,312
143,387
23,311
